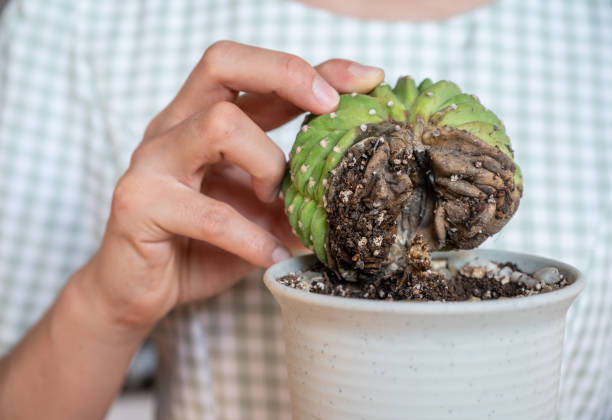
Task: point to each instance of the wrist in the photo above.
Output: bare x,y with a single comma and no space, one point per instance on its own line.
81,299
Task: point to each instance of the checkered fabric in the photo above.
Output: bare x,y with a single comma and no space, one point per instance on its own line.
79,80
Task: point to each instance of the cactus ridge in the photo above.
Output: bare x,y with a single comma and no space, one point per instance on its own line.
324,140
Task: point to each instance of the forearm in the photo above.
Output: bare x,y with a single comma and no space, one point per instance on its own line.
70,365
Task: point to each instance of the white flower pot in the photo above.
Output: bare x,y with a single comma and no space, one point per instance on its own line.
363,359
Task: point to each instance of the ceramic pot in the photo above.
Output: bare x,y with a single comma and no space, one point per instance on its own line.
369,359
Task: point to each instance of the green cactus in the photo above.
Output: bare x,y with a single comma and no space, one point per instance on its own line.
427,159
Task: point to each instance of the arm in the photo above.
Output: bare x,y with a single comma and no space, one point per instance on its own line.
195,211
71,364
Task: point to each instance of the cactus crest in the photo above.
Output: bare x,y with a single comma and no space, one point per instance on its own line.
365,179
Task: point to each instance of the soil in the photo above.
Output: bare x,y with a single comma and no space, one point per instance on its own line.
465,277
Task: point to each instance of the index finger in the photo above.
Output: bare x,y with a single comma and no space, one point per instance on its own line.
227,68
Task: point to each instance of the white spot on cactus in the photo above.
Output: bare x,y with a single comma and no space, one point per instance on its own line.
454,178
354,94
429,94
303,168
305,128
292,178
478,164
397,127
337,149
376,252
324,182
300,224
362,242
332,115
363,127
311,238
453,106
344,195
390,103
290,209
372,111
323,142
298,149
311,182
491,200
378,241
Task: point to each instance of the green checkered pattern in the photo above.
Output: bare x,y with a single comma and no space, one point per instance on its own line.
79,80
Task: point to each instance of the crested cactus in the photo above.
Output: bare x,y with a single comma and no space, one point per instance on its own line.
364,180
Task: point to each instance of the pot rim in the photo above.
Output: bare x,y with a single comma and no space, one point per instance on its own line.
566,293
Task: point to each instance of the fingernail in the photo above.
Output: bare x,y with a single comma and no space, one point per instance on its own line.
274,195
325,94
360,70
280,254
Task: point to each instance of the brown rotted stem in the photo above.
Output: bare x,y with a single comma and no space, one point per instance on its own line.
448,186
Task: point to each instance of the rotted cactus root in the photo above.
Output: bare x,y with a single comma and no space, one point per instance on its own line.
385,167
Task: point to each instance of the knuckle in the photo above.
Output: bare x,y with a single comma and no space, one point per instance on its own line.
214,54
296,68
220,120
215,219
126,197
141,153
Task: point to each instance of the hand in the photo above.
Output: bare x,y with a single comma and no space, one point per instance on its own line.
198,206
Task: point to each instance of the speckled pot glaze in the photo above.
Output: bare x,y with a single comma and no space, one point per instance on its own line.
362,359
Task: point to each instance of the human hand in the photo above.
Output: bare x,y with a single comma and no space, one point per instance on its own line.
198,206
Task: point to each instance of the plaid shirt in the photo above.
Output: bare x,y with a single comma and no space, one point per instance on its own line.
79,80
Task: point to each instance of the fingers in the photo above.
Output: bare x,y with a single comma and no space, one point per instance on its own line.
228,67
173,208
222,132
270,111
232,185
189,213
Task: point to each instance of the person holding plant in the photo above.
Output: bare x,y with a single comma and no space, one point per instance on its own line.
109,235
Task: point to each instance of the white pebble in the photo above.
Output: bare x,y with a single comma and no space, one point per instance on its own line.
457,260
548,275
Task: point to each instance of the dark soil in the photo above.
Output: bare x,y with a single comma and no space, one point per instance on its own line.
419,282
